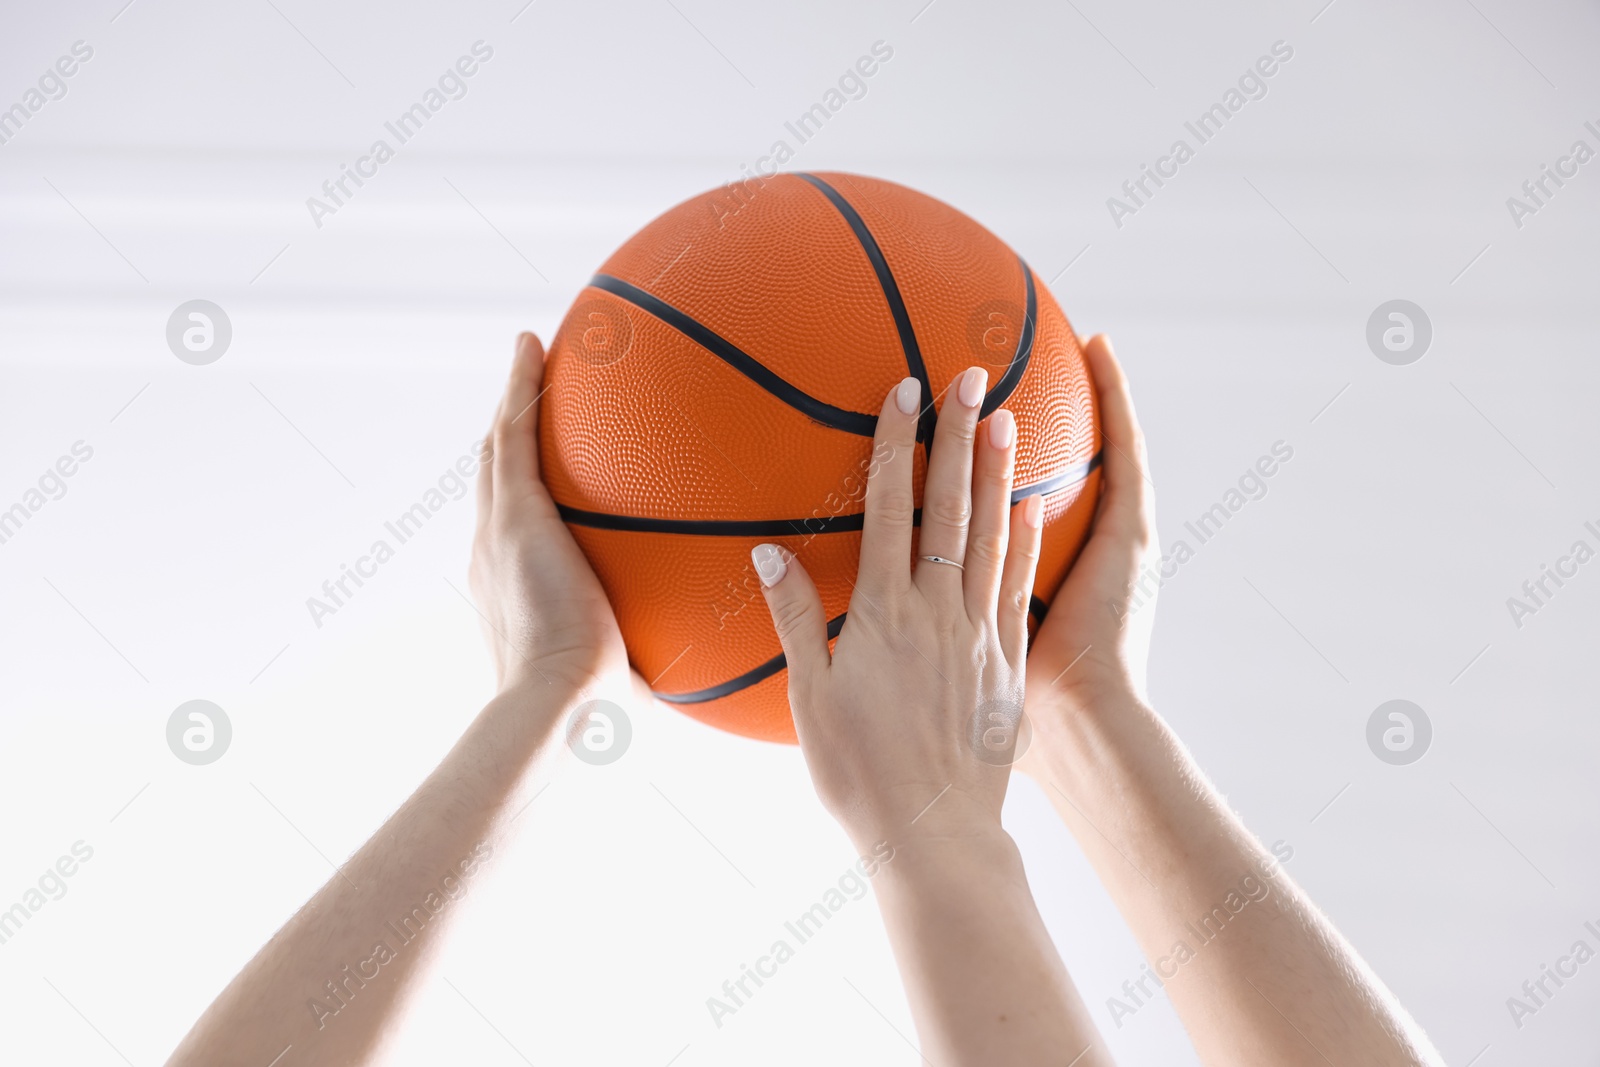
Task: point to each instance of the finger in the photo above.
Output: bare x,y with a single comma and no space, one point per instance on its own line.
796,613
1126,497
890,504
515,443
1016,585
485,449
947,490
989,531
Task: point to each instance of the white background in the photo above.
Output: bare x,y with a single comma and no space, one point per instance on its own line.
367,356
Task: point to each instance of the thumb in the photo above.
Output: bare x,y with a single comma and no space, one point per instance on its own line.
796,609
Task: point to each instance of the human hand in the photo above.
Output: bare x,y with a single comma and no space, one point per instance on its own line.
1093,646
546,618
891,722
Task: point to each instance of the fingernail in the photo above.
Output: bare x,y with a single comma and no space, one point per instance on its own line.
1033,511
770,565
908,396
973,382
1002,429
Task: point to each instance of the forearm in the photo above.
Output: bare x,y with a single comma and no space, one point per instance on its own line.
985,983
1258,975
336,974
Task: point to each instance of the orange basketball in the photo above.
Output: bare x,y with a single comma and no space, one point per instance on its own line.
717,383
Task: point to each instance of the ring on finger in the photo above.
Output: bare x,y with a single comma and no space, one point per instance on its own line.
941,559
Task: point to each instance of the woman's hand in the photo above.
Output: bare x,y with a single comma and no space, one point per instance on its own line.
545,616
1092,649
909,728
893,722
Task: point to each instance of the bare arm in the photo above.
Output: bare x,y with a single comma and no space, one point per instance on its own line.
889,723
331,984
1256,972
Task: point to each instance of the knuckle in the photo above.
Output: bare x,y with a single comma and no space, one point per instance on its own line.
789,616
961,427
952,509
998,475
894,506
986,547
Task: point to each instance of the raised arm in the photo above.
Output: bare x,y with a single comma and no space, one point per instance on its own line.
1258,974
331,984
892,724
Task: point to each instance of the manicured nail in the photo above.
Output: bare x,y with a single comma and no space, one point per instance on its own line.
1033,511
770,565
973,383
908,396
1002,429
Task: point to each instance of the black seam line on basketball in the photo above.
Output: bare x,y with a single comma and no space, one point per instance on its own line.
1019,361
1037,608
786,527
1060,481
745,680
902,318
897,304
725,350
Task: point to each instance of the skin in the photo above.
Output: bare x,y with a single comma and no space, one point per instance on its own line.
1278,985
555,644
887,723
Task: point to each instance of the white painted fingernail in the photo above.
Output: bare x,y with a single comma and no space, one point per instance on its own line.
973,382
1002,429
1033,511
908,396
770,565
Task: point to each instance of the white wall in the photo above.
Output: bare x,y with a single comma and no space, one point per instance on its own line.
367,355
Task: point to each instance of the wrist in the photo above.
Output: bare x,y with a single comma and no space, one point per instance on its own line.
533,709
1075,729
927,861
920,817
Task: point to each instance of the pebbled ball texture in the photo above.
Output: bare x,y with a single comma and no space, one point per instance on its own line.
657,445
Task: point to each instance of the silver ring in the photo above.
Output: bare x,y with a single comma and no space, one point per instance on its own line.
941,559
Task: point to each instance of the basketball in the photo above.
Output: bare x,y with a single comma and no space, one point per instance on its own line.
716,385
